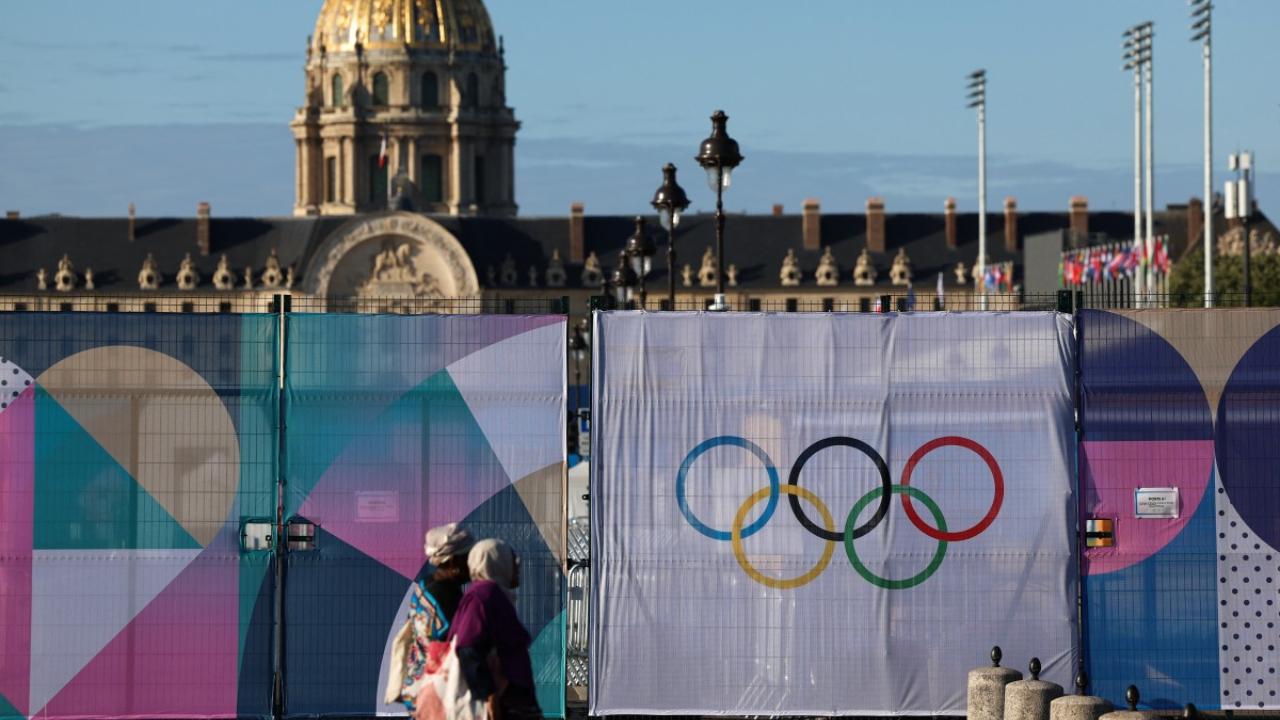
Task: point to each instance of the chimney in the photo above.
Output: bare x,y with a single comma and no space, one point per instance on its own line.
1011,225
202,227
811,228
12,215
875,225
1195,222
1080,217
133,216
577,233
777,209
949,213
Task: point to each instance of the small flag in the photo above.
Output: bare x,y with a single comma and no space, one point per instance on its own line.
382,153
911,298
940,292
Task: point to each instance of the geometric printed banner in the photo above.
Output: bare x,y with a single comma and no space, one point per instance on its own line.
134,446
1185,606
828,514
130,446
396,425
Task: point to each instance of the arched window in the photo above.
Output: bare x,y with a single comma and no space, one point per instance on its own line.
338,99
473,91
430,90
432,179
381,90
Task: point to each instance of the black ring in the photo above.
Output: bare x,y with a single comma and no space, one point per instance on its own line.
886,484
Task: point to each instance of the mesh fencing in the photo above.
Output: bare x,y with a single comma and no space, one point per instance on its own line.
1183,603
130,447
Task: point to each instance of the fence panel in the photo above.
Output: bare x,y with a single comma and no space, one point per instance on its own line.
712,594
396,425
1184,603
130,448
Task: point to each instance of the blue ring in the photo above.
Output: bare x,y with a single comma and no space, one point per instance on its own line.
734,441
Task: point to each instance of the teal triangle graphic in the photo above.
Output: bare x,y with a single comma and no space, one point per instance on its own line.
548,655
84,500
8,711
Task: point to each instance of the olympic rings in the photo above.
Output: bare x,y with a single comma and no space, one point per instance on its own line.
795,491
737,533
794,479
733,441
996,477
886,583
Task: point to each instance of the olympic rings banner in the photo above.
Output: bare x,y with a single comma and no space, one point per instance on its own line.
827,514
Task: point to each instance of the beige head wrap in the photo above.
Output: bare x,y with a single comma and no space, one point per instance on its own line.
445,542
493,560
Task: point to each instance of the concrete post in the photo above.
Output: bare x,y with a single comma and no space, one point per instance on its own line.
1079,706
986,689
1029,699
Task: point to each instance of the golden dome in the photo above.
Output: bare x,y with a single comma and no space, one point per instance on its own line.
461,25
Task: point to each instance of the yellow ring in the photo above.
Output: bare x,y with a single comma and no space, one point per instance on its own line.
741,555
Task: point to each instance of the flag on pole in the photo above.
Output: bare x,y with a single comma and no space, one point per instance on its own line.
382,153
940,292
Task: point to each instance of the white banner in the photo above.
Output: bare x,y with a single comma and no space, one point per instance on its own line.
827,514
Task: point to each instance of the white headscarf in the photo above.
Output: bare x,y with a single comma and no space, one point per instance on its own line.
445,542
494,560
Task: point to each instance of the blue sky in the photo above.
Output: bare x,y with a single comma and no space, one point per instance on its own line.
168,103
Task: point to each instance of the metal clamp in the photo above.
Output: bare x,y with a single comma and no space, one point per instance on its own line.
302,535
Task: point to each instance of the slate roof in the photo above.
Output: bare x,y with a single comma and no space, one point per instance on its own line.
757,244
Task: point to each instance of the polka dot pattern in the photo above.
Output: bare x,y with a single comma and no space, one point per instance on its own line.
13,382
1248,612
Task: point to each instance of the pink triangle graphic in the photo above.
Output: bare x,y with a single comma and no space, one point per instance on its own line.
17,514
177,658
377,506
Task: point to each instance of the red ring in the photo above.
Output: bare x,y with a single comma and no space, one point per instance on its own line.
996,476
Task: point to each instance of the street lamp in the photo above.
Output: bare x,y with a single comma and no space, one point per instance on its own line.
978,99
1201,29
719,156
670,201
640,251
1137,56
623,280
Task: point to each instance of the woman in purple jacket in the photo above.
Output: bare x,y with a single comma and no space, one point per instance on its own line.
487,629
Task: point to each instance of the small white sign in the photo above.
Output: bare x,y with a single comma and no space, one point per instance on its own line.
1161,502
379,506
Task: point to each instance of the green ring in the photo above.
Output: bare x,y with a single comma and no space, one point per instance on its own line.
866,573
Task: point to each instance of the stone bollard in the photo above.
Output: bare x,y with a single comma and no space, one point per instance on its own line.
1130,696
1079,706
986,689
1029,699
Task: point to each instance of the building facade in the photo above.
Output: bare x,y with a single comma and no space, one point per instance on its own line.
405,203
407,91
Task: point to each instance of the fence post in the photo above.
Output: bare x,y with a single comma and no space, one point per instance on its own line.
1064,302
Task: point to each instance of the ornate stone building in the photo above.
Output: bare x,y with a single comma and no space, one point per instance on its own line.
413,90
433,226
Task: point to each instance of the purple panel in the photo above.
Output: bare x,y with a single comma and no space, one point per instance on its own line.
17,478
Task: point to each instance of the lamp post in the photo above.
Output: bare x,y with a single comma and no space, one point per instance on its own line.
978,99
670,201
1137,55
719,155
640,251
623,281
1201,30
